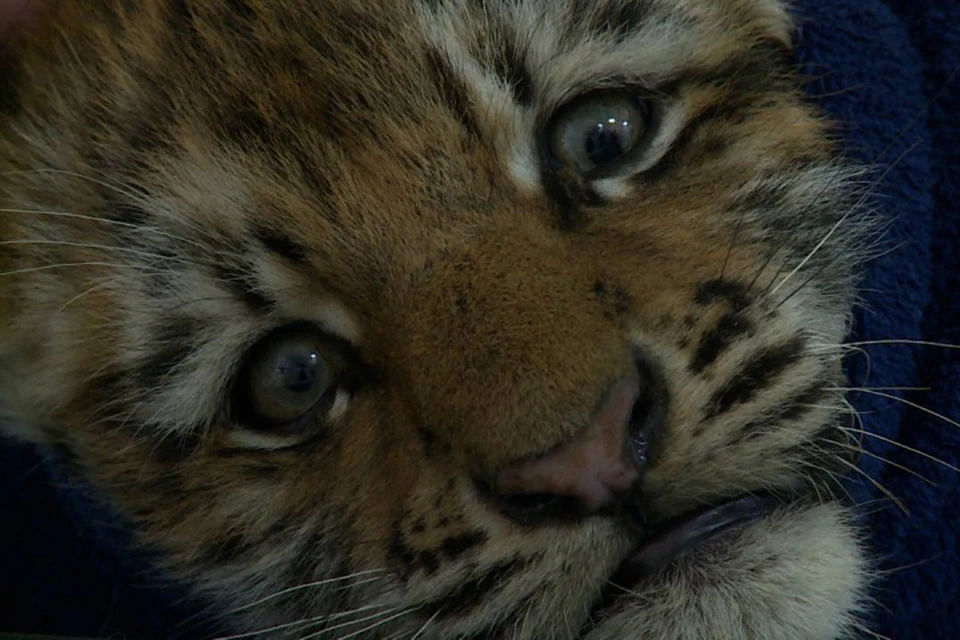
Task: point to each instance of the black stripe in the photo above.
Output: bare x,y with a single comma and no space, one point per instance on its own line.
470,594
281,245
410,558
758,373
9,85
510,65
227,549
455,546
618,18
170,449
176,341
238,280
712,291
673,160
718,339
793,409
453,91
764,197
568,194
243,123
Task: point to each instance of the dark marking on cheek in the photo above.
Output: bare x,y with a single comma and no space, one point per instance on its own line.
9,86
472,593
127,213
617,19
622,301
715,145
282,245
566,193
225,550
455,546
237,280
453,92
716,290
244,124
241,9
793,409
757,374
173,449
764,197
175,341
433,445
463,306
401,552
510,65
410,558
718,339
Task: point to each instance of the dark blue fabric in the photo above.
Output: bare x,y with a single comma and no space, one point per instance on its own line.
885,69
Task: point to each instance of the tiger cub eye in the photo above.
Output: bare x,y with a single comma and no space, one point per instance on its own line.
289,374
597,130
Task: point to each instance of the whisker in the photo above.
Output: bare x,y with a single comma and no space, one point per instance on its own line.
100,283
66,265
423,629
876,484
146,229
350,623
855,389
843,219
83,245
907,567
907,448
918,343
884,460
916,406
308,585
733,241
373,626
316,620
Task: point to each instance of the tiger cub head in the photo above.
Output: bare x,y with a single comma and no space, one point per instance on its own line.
439,318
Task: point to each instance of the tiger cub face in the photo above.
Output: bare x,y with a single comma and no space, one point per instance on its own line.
439,318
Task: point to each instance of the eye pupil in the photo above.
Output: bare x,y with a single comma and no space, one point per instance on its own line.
603,145
299,372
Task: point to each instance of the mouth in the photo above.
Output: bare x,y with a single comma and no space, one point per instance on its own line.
677,538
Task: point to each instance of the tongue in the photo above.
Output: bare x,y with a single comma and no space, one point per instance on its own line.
688,534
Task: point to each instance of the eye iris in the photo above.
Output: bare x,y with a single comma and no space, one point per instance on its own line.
287,378
598,130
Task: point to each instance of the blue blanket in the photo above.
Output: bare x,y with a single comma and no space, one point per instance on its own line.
883,67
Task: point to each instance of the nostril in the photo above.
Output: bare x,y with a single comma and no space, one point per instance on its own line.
638,437
649,414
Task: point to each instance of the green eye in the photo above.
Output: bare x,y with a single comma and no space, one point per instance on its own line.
289,375
598,130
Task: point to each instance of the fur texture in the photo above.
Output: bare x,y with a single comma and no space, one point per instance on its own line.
179,178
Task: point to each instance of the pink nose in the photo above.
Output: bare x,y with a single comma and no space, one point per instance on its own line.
596,467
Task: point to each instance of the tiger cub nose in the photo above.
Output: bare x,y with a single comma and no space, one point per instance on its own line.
604,462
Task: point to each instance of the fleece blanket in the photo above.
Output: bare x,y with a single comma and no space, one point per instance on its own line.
885,68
